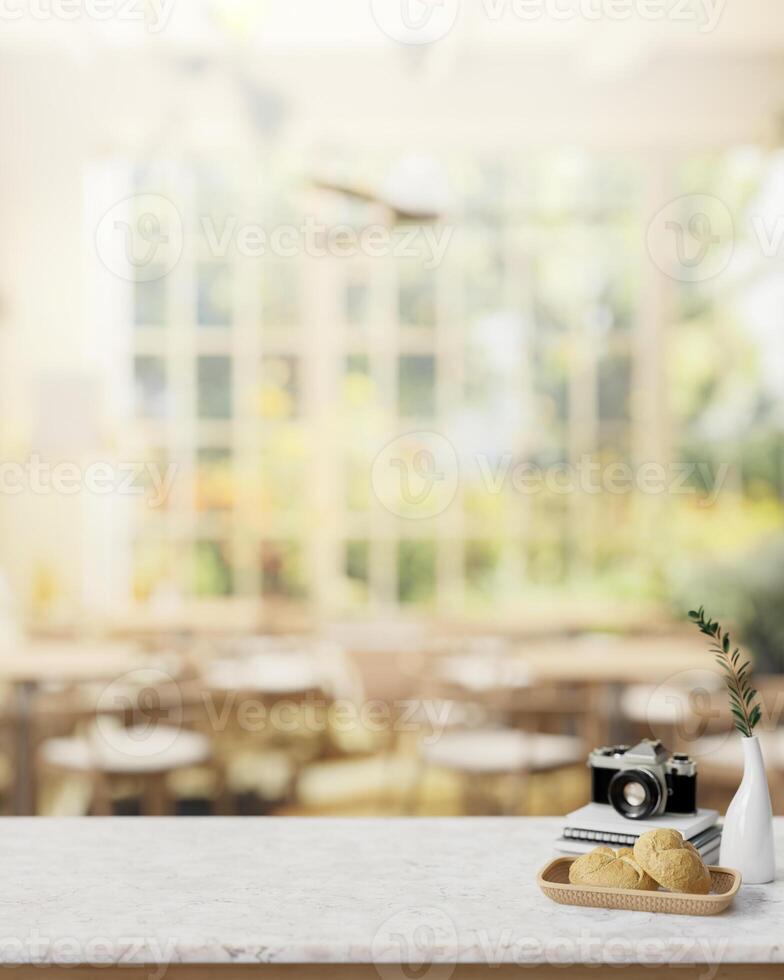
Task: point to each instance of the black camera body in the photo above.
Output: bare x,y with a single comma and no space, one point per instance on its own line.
643,781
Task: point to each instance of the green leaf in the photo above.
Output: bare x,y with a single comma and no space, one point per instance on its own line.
737,672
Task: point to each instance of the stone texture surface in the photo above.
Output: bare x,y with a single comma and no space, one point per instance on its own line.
321,890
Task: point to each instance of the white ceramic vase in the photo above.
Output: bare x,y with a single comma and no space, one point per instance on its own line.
747,837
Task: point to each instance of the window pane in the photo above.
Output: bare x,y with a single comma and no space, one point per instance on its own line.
280,388
211,572
214,387
149,301
357,298
417,296
357,571
481,563
615,382
357,477
157,481
280,294
214,480
214,295
416,386
358,364
150,387
358,385
282,570
285,463
153,568
416,571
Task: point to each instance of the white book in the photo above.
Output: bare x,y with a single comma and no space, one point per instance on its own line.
604,818
597,824
707,842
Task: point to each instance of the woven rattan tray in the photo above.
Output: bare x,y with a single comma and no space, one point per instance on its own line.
554,881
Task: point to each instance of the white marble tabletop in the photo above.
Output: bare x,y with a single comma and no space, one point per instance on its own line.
266,890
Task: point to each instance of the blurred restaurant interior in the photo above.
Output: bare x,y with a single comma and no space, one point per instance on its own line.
372,412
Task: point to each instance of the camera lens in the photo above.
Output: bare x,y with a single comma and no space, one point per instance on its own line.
635,793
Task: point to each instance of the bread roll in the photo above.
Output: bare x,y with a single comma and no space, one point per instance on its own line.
673,862
604,867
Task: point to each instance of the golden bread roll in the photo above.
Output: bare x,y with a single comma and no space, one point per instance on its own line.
673,862
604,867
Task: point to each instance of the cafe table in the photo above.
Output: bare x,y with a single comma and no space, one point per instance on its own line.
600,665
37,663
349,899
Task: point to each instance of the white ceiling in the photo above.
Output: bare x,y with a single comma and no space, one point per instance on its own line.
337,78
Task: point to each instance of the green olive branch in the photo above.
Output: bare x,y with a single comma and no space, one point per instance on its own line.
737,674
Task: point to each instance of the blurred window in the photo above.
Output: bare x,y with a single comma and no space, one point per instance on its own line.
542,339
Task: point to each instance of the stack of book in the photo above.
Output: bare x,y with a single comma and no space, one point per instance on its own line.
598,823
